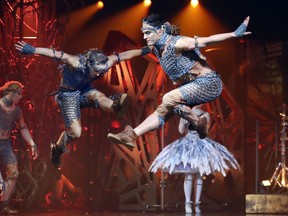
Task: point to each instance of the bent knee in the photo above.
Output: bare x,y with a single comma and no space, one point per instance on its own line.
172,98
75,133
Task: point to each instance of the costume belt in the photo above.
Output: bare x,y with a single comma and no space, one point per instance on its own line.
67,87
63,88
185,78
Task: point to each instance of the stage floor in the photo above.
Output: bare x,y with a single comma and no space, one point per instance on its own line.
132,213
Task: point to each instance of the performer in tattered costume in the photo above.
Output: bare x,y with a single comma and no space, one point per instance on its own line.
193,156
76,89
11,117
182,61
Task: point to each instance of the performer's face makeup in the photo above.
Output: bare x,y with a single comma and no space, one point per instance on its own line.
150,34
16,96
96,65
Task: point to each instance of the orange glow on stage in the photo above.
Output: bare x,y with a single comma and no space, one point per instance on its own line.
197,21
77,19
128,21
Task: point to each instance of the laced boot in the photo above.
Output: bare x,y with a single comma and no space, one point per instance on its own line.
197,208
120,104
56,153
127,137
188,207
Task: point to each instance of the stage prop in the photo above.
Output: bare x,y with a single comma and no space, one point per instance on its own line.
266,203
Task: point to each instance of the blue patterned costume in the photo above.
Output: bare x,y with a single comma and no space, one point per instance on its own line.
195,90
75,85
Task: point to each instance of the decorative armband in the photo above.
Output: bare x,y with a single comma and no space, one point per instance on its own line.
28,49
197,49
239,32
118,57
56,58
145,50
196,42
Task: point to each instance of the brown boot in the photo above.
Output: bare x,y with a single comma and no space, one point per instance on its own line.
55,154
127,137
201,127
120,104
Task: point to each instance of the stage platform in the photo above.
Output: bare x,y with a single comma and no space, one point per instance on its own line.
137,213
267,203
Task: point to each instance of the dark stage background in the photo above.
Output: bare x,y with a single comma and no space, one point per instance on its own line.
254,72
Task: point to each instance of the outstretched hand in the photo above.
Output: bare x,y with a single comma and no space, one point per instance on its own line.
24,47
246,22
241,30
20,45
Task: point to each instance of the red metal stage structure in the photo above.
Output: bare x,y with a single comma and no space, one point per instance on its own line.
113,177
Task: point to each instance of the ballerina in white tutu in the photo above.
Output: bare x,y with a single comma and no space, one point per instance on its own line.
193,156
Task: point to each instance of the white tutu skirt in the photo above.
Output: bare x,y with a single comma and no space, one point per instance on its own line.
190,154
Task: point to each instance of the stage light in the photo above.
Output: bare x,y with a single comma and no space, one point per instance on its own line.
265,186
147,3
115,124
266,183
194,3
100,4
